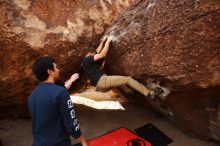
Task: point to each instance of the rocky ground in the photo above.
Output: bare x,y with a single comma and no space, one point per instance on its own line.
18,132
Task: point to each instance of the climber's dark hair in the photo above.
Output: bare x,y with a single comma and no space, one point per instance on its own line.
40,67
90,50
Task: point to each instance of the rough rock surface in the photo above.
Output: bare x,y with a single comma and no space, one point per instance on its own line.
59,28
176,42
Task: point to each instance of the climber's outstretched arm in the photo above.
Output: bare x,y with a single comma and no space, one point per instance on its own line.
104,51
100,47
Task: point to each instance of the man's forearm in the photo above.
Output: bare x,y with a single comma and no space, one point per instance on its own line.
68,83
72,79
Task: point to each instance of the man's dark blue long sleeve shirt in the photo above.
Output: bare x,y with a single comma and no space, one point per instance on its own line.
53,116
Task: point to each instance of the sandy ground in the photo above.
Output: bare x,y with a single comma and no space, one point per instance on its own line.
97,122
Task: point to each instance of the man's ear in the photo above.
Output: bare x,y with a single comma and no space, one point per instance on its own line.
49,71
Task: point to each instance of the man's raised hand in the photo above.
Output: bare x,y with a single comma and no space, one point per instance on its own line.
74,77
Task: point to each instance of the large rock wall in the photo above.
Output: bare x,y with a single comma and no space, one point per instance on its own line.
176,42
59,28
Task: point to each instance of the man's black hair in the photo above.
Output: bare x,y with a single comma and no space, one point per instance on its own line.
41,66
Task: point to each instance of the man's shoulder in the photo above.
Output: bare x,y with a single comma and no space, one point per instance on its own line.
59,88
49,87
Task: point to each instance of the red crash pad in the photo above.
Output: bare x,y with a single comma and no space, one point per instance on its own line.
119,137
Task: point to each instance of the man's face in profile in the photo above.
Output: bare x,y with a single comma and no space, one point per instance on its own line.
56,72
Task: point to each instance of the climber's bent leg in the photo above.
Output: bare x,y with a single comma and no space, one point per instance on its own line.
106,82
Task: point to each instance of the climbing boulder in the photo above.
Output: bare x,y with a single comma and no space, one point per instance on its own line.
175,43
